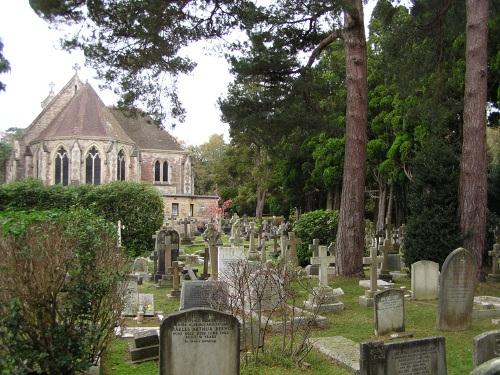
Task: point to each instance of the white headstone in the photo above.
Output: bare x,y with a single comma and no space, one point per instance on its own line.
425,280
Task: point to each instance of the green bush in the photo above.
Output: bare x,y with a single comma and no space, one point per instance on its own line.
138,206
61,290
432,229
320,224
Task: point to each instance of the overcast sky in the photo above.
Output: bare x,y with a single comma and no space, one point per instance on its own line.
36,60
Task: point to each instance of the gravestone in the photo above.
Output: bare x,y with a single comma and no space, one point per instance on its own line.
198,293
389,311
200,342
229,259
265,290
131,297
314,249
424,280
385,272
293,241
373,261
495,257
456,291
486,346
425,356
186,233
491,367
212,236
323,297
252,251
145,347
147,303
140,265
175,271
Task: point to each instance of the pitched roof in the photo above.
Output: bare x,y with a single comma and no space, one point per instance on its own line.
85,116
145,133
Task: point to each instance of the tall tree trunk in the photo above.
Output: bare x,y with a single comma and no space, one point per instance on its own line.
382,196
329,199
472,191
261,200
388,215
350,235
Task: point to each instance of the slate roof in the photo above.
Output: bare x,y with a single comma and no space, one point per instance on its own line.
145,133
85,116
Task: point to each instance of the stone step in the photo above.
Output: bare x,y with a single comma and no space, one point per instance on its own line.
340,350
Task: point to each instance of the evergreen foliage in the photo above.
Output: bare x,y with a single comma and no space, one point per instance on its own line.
320,224
138,206
432,230
61,290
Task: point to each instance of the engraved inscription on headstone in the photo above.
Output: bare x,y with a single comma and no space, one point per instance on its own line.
389,311
425,356
199,342
456,291
198,293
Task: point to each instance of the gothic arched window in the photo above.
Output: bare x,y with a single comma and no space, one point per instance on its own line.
165,172
120,166
93,167
61,167
157,171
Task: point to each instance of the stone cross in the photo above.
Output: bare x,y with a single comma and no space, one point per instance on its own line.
323,260
51,85
168,252
232,221
252,236
212,236
495,256
176,270
373,261
120,227
154,258
76,67
314,247
205,275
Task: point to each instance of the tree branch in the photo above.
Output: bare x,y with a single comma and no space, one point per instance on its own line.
337,34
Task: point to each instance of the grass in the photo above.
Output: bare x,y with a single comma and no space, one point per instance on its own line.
355,323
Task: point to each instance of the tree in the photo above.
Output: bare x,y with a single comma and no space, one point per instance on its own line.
472,191
4,65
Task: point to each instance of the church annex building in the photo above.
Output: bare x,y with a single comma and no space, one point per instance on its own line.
76,139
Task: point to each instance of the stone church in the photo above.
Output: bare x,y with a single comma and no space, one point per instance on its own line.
76,139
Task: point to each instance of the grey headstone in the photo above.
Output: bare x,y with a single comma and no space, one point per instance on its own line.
486,347
229,257
200,342
146,338
425,356
145,346
198,293
425,280
140,265
456,291
389,311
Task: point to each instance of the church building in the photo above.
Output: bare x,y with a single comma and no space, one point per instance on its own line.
76,139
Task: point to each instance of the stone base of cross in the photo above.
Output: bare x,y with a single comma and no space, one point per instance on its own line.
324,299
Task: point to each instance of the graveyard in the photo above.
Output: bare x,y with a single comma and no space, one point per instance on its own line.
335,344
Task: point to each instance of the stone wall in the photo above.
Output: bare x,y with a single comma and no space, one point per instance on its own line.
179,170
201,206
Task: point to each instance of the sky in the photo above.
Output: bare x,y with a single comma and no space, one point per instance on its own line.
36,60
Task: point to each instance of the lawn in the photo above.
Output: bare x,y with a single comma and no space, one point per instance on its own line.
355,323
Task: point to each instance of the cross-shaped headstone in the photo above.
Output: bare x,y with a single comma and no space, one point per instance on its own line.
495,254
252,236
323,260
212,237
175,270
373,261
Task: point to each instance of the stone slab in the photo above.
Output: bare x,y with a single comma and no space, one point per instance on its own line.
339,350
425,356
146,338
491,367
380,284
143,354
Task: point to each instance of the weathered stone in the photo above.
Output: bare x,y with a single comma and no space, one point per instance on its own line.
389,311
486,347
425,356
340,350
229,259
200,342
324,299
486,307
145,346
198,293
456,291
146,338
425,280
491,367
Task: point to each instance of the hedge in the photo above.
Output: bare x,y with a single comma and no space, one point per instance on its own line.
138,206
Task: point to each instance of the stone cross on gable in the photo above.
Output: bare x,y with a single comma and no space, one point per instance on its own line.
51,85
323,260
76,67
